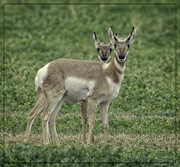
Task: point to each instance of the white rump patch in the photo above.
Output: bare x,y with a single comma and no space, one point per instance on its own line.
41,75
36,83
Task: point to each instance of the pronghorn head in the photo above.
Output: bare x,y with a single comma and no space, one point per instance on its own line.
121,45
104,49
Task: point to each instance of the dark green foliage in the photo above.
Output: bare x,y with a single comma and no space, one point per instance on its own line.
77,155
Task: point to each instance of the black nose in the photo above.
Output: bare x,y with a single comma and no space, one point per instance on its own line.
121,57
104,58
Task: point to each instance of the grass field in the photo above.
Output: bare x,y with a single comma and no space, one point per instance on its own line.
143,119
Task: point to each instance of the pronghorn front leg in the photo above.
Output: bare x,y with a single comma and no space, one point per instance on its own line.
104,115
91,109
83,106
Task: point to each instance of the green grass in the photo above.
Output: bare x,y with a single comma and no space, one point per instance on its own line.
81,156
142,119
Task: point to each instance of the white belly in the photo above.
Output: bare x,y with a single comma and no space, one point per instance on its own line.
78,89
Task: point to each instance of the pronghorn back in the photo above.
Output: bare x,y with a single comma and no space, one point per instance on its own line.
87,75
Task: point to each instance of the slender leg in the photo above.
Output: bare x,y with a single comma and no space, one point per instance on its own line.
91,108
104,115
83,106
45,116
40,105
52,123
54,98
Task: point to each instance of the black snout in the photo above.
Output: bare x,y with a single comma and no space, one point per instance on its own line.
104,58
121,56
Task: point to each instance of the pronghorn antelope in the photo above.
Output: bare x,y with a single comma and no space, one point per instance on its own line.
104,51
93,83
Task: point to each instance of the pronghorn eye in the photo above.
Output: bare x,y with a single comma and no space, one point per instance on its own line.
98,49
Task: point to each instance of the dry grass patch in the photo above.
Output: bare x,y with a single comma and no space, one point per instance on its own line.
129,116
162,142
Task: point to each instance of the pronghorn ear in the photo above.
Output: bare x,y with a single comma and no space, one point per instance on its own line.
113,39
131,38
96,40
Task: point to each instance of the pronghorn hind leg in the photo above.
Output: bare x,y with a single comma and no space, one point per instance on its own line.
52,122
53,103
40,105
45,117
